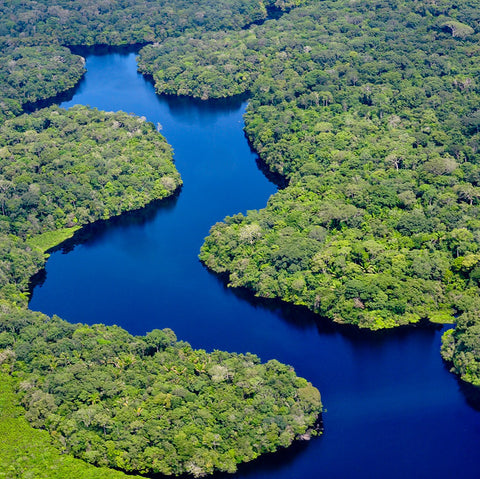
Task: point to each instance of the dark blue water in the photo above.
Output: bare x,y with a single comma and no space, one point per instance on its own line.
393,410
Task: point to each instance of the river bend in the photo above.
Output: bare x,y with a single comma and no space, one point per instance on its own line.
393,409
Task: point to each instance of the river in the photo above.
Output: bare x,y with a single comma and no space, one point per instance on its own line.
392,408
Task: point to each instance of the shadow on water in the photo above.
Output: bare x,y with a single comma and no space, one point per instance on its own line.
184,106
278,180
471,394
102,50
302,318
268,463
95,232
65,96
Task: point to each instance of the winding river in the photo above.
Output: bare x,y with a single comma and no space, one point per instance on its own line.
393,409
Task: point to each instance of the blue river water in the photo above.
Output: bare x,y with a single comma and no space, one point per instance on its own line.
392,408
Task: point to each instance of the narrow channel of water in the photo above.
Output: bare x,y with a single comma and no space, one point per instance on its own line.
393,410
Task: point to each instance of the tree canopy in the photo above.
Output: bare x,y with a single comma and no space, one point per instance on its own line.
63,168
59,168
32,73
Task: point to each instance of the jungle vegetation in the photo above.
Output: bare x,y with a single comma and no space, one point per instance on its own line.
126,22
146,404
370,112
33,455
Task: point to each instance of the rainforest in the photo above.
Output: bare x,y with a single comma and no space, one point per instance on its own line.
369,114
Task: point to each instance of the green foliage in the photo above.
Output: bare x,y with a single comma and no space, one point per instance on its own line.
211,65
61,169
151,404
217,66
32,73
18,262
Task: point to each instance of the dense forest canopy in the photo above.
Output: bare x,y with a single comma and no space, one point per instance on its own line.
121,22
33,454
375,130
61,167
32,73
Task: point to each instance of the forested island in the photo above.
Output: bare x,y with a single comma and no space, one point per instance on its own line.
369,111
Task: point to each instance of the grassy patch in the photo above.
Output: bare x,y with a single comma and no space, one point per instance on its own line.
49,239
441,317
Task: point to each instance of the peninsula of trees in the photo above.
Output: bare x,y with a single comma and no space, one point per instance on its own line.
65,168
151,404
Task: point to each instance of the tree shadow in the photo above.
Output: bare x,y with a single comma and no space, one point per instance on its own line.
62,97
302,318
93,233
471,394
101,50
